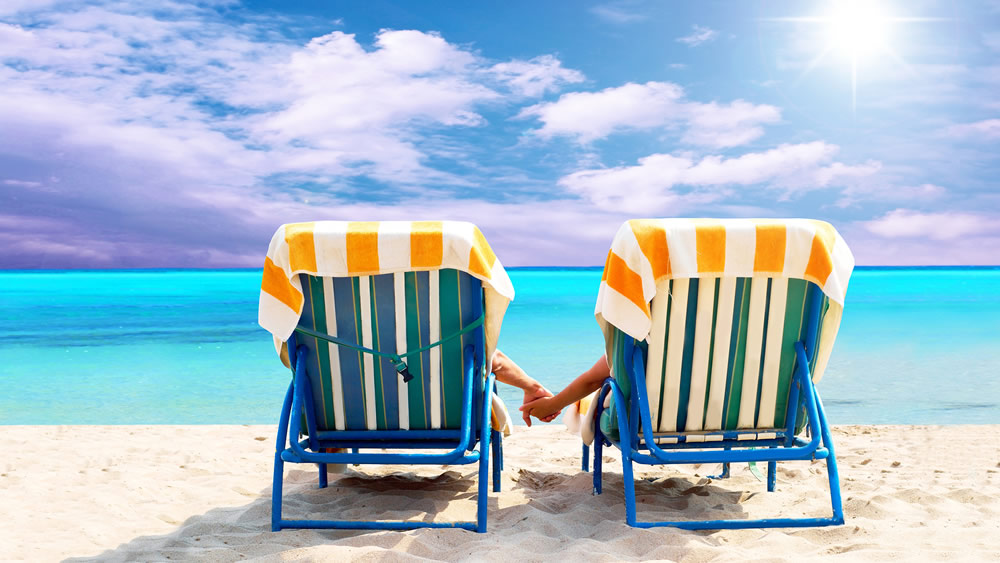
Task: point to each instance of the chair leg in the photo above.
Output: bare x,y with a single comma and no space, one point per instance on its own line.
322,475
630,517
279,464
598,461
772,475
831,469
723,475
482,498
586,457
497,457
279,473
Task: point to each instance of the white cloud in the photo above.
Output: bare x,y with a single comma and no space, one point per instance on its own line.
865,192
594,115
651,185
21,183
20,6
940,226
870,248
588,116
721,125
177,133
923,191
349,106
616,13
699,35
536,76
187,87
988,129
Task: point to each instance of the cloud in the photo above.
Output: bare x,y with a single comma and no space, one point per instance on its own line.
866,192
616,13
175,135
699,35
593,115
148,84
988,129
939,226
679,182
536,76
21,183
588,116
722,125
873,249
348,106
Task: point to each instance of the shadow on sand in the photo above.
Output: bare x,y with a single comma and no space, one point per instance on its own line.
532,499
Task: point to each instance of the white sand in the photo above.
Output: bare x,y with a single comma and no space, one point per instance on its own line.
149,493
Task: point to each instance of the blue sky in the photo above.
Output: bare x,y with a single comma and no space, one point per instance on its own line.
173,134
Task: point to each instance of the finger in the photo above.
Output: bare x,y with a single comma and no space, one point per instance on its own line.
541,394
528,405
527,419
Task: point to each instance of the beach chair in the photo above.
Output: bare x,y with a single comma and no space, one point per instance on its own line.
388,328
717,331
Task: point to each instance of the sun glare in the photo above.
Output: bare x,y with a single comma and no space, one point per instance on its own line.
858,29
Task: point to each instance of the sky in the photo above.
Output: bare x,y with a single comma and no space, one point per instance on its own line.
171,134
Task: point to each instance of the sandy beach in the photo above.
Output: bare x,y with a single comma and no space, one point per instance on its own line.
153,493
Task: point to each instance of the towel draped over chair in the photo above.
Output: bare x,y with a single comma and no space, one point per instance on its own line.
368,248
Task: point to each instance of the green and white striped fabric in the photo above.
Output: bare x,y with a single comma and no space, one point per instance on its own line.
390,313
721,354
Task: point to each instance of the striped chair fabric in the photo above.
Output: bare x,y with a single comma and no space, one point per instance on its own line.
390,313
721,356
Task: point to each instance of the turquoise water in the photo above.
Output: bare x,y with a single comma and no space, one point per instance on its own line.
917,346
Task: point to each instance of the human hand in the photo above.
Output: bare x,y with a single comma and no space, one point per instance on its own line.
532,395
542,408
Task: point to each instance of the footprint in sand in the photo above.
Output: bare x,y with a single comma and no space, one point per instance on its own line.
536,481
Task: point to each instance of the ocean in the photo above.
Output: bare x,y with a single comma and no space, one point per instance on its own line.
917,345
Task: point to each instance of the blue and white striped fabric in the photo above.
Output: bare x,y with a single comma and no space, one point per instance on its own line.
721,353
390,313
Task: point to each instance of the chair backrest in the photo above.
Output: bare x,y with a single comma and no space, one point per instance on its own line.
390,313
721,351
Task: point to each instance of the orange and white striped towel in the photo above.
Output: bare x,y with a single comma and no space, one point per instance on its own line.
647,251
579,416
356,248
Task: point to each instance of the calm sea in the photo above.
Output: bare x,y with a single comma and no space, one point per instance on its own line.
917,346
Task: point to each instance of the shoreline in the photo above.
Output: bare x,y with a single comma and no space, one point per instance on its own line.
154,492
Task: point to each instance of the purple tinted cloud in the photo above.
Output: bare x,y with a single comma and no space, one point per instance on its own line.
165,135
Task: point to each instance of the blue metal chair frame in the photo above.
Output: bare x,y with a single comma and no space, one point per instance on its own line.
475,427
784,447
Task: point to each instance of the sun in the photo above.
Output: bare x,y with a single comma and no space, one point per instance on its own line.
858,29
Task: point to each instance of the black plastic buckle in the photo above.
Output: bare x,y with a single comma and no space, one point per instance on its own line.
403,370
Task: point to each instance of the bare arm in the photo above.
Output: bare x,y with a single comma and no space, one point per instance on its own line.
510,373
585,384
